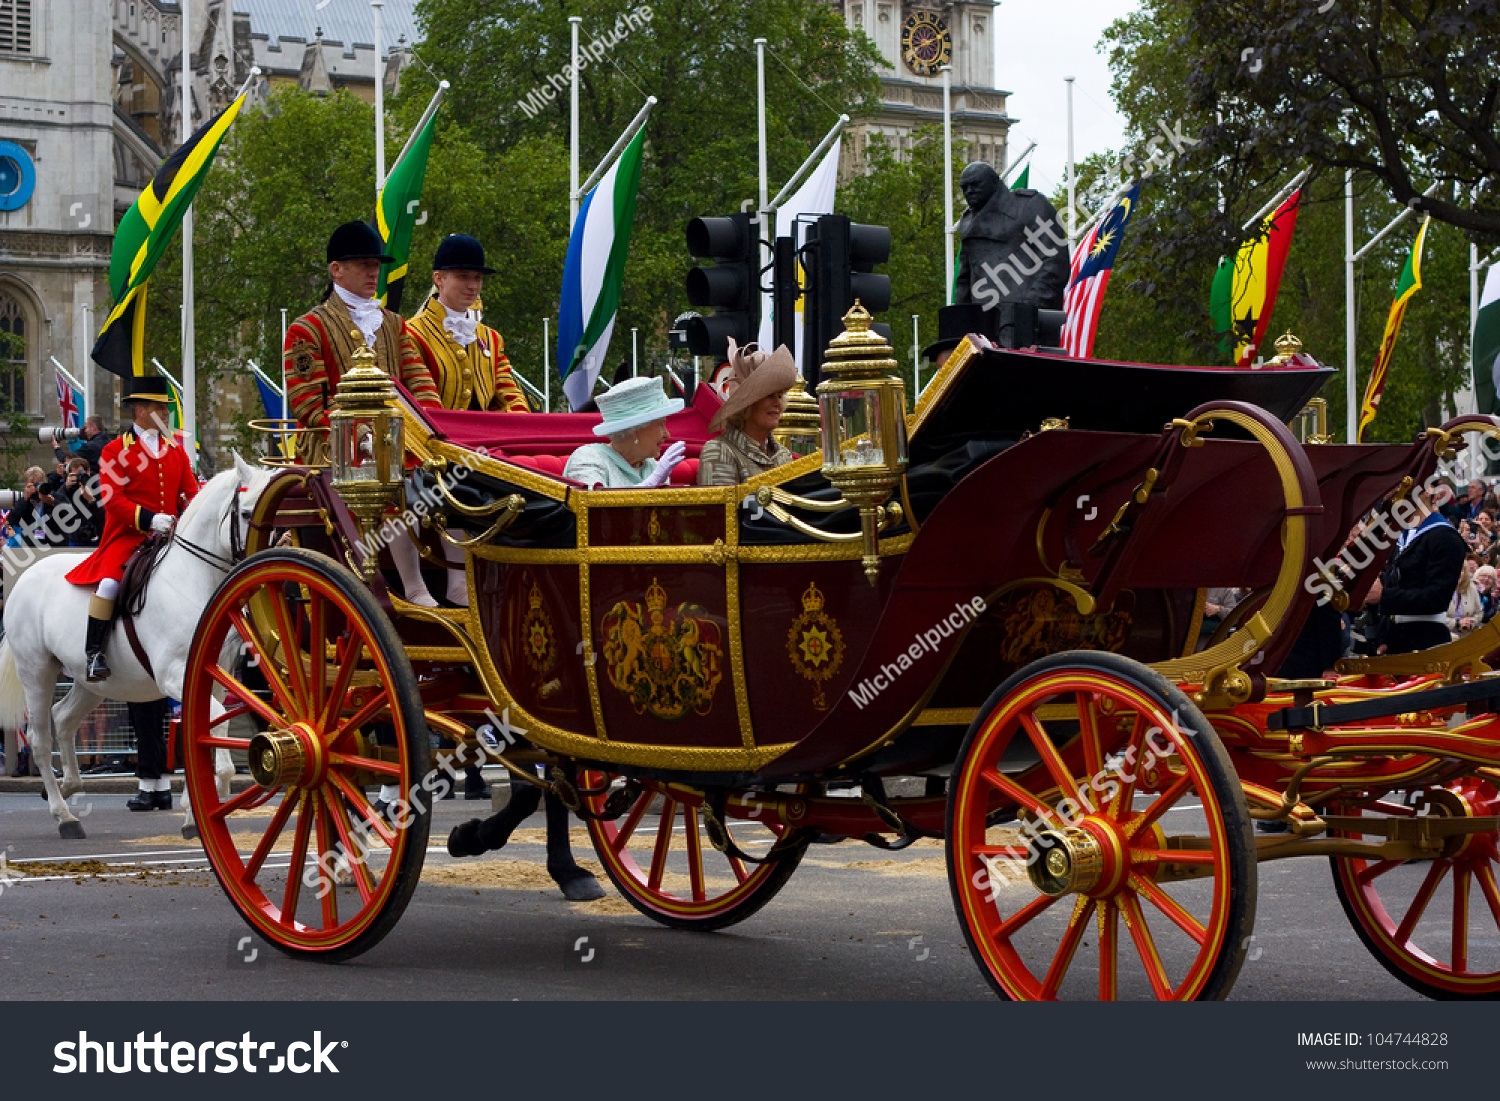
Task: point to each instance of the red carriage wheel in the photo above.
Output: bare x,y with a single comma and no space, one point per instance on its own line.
1433,923
1098,841
664,863
301,853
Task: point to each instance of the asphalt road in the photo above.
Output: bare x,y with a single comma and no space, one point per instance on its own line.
154,924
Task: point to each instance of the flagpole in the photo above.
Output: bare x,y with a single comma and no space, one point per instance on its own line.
948,184
67,375
916,361
1396,221
88,390
1072,168
573,194
764,193
614,150
1277,199
283,378
432,106
546,370
376,6
189,364
807,166
1351,411
1015,164
635,370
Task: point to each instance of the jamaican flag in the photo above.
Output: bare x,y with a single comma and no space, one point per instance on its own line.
396,213
143,236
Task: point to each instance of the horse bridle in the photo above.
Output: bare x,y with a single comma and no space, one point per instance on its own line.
236,540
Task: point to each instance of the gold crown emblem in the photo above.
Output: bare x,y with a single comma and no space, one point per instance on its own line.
656,596
812,600
534,598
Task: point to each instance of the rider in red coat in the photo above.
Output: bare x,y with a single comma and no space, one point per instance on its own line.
145,481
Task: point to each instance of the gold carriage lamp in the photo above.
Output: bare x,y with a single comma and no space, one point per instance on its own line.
369,457
863,405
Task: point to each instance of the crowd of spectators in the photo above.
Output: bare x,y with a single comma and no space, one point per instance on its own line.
61,507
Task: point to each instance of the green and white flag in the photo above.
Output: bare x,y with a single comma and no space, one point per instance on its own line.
1487,345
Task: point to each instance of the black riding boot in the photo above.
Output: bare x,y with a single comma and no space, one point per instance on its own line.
96,668
473,838
578,885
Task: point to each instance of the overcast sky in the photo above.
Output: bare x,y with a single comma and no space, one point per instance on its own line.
1037,43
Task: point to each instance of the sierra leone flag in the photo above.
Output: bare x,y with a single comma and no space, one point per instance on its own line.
1487,345
594,273
143,236
396,214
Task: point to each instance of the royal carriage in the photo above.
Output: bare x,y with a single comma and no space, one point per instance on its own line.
979,622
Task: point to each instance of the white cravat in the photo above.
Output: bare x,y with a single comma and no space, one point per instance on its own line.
367,313
461,325
151,441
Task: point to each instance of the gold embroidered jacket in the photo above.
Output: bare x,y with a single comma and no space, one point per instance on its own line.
476,377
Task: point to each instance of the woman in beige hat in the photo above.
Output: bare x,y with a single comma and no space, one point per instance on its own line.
757,386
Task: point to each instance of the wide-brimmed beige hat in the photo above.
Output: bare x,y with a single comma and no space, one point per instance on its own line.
753,374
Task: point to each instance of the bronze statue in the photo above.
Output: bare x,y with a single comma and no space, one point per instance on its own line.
1013,246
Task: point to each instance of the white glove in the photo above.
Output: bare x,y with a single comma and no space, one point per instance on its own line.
664,466
161,522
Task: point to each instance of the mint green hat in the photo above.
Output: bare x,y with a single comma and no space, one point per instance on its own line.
632,403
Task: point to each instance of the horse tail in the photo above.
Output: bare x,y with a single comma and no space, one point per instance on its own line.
12,693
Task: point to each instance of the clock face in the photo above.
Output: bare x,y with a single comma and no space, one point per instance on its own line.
926,45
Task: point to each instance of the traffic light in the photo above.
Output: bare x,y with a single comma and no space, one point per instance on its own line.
839,258
731,287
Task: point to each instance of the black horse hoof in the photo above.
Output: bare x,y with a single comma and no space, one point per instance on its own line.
464,839
578,885
71,831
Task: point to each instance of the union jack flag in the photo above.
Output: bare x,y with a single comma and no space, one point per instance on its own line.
1093,260
70,401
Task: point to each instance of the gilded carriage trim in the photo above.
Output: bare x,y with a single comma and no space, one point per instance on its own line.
946,716
1448,660
666,496
1217,669
786,472
586,628
815,644
538,636
737,653
499,469
938,386
690,553
666,662
1195,624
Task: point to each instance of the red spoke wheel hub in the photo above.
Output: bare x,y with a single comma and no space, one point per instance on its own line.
325,705
1098,840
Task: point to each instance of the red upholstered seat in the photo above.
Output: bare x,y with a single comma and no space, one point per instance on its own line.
544,441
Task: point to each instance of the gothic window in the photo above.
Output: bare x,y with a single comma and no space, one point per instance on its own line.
15,26
13,337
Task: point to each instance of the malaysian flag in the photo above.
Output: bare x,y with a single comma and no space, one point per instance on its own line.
1089,275
70,401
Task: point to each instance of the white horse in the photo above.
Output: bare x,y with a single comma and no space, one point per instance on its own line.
46,617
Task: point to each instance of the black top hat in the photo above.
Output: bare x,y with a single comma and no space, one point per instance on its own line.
460,252
146,388
357,241
957,322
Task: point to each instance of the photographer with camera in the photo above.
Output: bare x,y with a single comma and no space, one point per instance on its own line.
36,504
83,499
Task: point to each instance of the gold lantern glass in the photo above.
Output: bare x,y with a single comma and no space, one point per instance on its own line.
369,454
862,401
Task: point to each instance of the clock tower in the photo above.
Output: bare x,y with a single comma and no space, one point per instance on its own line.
916,38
